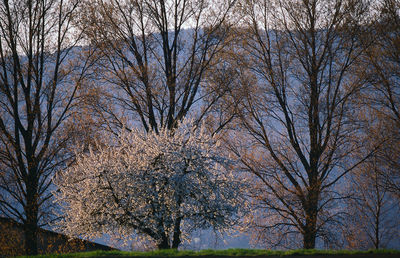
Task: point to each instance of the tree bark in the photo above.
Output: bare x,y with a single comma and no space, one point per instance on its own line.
31,238
31,223
177,233
164,244
311,211
310,233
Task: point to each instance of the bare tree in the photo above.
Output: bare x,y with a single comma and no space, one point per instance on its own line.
156,56
371,220
300,54
376,183
39,80
382,71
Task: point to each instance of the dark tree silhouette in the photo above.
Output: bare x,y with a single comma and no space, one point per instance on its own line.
39,80
300,54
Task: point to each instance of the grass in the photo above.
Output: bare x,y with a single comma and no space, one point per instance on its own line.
227,252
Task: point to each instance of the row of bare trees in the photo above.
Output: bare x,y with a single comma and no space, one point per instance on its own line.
304,93
301,54
324,75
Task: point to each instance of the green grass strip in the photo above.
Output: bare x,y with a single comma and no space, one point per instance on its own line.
226,252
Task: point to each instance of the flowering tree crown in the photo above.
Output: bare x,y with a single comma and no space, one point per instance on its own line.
157,185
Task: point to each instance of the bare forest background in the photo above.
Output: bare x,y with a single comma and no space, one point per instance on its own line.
303,97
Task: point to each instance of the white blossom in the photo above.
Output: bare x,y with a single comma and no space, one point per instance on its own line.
160,186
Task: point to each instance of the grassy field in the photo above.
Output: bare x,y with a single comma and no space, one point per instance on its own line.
227,252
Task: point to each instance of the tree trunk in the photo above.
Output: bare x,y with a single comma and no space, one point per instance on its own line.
177,233
31,223
164,244
377,225
31,239
309,236
311,210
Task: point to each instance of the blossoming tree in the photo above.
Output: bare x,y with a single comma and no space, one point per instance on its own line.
159,186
